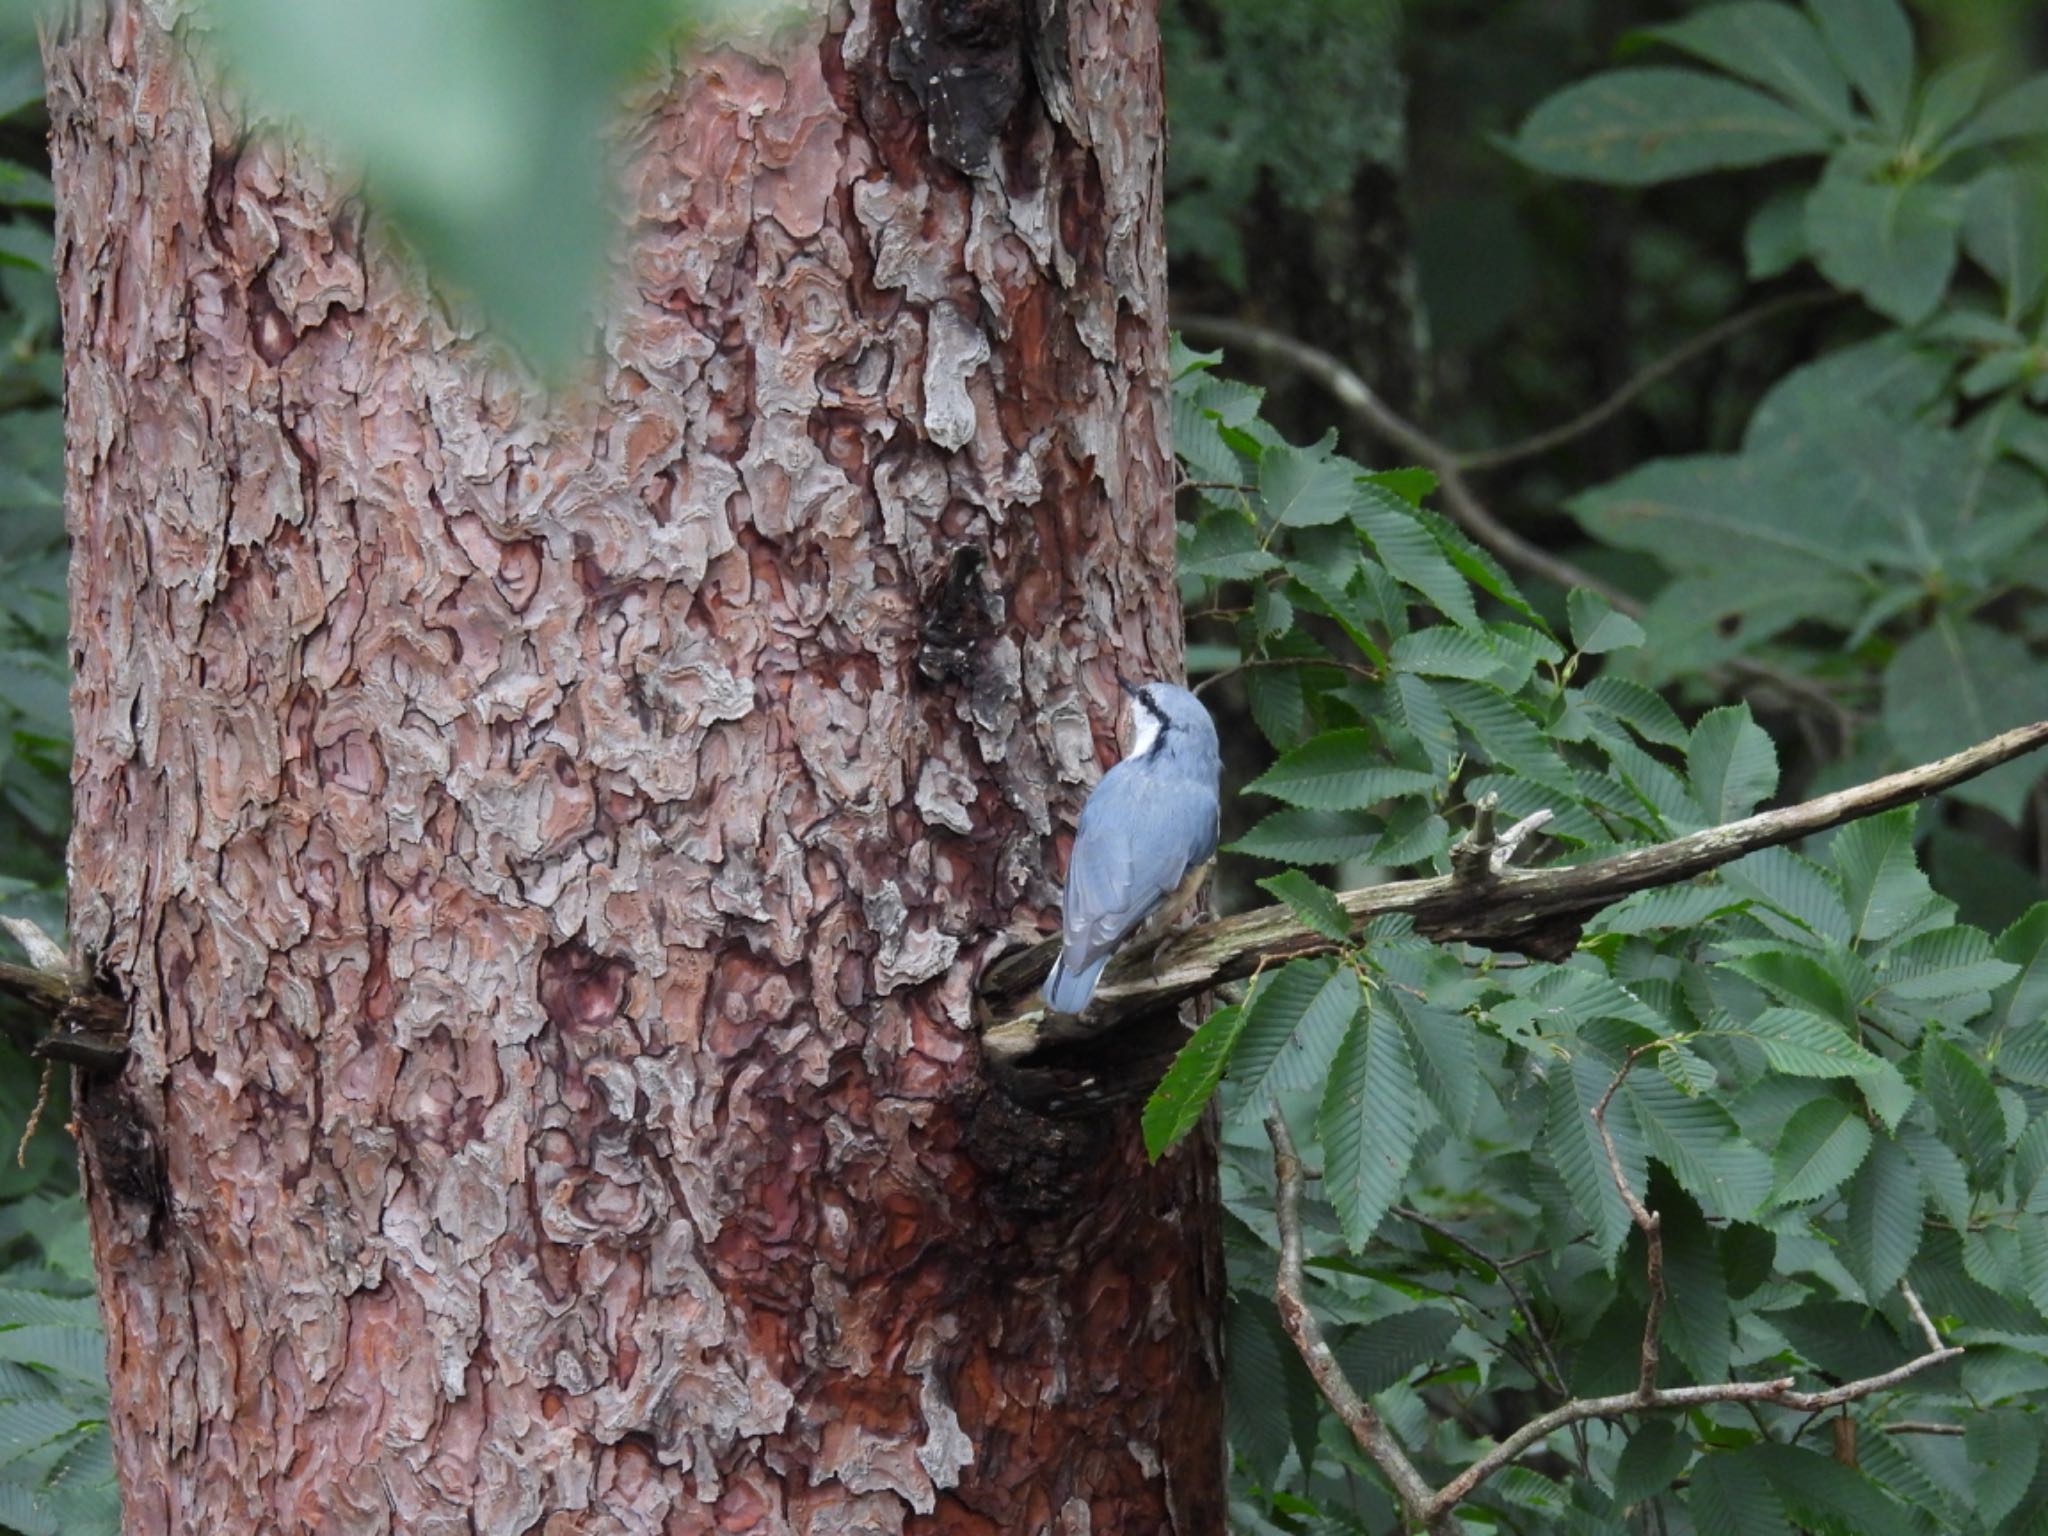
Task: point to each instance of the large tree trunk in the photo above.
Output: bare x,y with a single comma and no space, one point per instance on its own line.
546,847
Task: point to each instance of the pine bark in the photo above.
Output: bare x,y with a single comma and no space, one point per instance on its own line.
545,844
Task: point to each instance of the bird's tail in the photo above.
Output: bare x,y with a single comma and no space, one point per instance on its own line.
1068,988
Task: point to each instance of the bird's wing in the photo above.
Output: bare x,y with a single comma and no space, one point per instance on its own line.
1134,844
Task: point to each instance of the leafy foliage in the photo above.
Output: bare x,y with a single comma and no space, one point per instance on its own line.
1822,1079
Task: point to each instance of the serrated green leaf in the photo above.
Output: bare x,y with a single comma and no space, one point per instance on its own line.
1825,1497
1733,765
2004,1450
1702,1146
1422,712
1731,1496
1882,886
1633,127
2022,1002
1445,1047
1224,546
1310,837
2005,231
1883,1224
1698,1327
1443,650
1804,1044
1798,980
1800,889
1176,1105
1316,906
1383,1351
70,1350
1580,1158
1409,550
1305,487
1302,1011
1655,1454
1664,907
1641,709
1597,627
1338,771
1965,1105
1368,1124
1948,962
1823,1144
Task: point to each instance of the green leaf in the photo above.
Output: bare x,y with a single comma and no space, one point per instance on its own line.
1310,837
70,1350
1597,627
1176,1105
1336,771
1732,763
1698,1327
1314,904
1823,1144
1949,962
1794,886
1882,886
1410,551
1444,650
1731,1496
1959,682
1386,1349
1294,1023
2020,113
1640,709
1698,1141
1804,1044
1368,1125
1651,1461
1773,46
1883,1224
1421,711
1965,1104
1224,546
1894,242
2022,1003
1873,43
1578,1155
1306,487
2004,1450
1774,241
1825,1497
1633,127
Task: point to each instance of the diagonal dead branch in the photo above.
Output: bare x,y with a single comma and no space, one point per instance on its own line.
86,1026
1538,912
1299,1320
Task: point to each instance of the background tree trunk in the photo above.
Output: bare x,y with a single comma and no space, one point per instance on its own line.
546,846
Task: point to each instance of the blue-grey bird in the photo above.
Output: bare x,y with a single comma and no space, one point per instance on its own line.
1146,839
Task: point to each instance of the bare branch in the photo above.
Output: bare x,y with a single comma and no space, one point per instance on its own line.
1416,1496
1537,912
1920,1427
1651,375
1262,663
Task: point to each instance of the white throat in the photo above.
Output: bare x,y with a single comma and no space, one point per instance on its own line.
1146,732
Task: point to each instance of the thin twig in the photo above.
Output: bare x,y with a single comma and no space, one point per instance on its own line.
1655,373
1260,663
1920,1427
1537,912
1500,1268
1299,1320
1647,1221
1778,1393
1350,390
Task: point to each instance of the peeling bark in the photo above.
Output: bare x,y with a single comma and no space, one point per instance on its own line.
547,847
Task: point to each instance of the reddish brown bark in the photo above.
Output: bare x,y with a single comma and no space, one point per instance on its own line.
547,846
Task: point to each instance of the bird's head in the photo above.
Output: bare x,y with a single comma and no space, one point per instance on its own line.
1166,717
